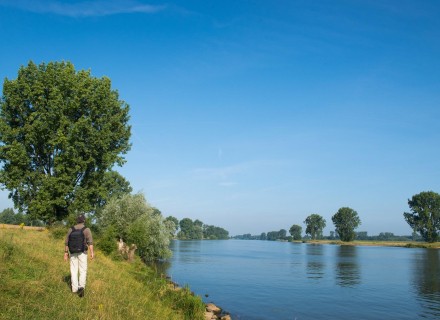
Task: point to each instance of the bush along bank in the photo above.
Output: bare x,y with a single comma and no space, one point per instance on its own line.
212,311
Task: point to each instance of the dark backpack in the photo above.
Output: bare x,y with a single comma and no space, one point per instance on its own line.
77,243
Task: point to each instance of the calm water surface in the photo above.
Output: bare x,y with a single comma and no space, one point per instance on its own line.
280,280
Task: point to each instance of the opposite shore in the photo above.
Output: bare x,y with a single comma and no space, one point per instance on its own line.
405,244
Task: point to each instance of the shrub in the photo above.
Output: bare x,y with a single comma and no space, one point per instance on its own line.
58,230
136,223
107,242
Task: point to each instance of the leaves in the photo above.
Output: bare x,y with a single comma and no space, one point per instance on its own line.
425,215
345,221
295,231
315,224
136,223
60,132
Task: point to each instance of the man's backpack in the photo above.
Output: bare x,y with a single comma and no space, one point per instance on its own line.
77,243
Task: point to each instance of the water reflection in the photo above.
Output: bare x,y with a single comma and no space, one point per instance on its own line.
315,261
275,280
347,267
427,281
187,251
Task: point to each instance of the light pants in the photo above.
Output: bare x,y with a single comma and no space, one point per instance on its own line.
78,262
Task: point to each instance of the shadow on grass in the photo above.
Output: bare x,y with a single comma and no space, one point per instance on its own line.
67,280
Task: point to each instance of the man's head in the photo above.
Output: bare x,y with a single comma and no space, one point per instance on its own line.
81,218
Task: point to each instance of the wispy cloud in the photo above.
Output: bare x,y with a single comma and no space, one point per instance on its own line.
227,184
228,176
84,8
220,172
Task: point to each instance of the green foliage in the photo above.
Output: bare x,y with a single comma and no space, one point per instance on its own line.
58,230
113,186
61,131
135,222
425,215
276,235
121,212
9,217
192,305
248,236
181,298
314,225
197,230
190,230
295,231
173,224
345,221
107,242
151,236
214,233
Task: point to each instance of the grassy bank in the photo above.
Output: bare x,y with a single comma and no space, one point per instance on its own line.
412,244
34,282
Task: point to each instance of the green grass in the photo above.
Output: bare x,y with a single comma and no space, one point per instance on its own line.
34,282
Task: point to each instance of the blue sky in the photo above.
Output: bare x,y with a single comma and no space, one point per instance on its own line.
251,115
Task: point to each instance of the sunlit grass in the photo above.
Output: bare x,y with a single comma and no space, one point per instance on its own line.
34,282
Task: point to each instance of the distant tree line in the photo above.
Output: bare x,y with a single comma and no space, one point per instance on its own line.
345,221
387,236
8,216
361,235
188,229
424,219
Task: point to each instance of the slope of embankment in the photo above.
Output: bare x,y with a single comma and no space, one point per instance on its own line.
34,282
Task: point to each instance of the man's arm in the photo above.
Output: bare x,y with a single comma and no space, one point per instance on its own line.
92,253
66,252
66,247
89,240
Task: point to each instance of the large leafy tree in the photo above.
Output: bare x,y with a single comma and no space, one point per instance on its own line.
295,231
314,225
345,221
61,131
425,215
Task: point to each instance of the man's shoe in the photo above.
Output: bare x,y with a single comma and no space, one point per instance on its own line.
81,292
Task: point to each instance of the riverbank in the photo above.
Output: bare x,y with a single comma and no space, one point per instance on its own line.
35,285
212,311
411,244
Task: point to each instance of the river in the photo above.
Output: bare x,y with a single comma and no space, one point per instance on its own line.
268,280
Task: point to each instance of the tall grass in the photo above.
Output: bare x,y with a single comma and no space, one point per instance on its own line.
34,282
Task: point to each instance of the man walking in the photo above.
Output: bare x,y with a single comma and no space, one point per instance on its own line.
78,241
